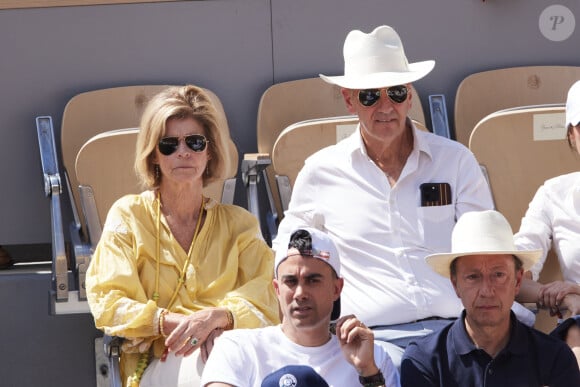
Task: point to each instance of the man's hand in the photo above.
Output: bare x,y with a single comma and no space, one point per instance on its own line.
357,344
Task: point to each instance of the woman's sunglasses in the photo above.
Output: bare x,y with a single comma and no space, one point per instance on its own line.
397,94
195,142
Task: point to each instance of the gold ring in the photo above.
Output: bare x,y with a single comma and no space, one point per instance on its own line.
194,341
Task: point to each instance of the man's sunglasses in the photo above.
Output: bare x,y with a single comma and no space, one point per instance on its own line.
195,142
397,94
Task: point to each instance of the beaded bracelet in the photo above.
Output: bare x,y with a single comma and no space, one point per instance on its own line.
161,321
230,324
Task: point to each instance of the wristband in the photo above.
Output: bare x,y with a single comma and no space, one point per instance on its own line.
372,381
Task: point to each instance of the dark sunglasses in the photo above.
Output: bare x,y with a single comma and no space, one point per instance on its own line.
195,142
397,94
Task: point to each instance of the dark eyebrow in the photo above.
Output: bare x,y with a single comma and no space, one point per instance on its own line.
492,268
308,276
287,277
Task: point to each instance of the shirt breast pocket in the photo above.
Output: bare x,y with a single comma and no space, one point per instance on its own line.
436,224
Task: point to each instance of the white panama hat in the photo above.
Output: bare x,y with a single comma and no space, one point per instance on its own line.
573,105
377,60
481,233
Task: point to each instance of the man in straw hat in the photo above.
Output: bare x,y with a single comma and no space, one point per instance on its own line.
302,351
388,195
487,346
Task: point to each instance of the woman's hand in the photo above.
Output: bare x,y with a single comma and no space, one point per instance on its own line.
552,294
186,333
572,303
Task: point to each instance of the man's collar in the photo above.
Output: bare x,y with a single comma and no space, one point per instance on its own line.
419,139
517,343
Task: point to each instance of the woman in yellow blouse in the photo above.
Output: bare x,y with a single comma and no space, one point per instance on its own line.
173,269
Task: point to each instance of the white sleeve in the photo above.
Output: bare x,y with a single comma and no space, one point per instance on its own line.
473,191
536,230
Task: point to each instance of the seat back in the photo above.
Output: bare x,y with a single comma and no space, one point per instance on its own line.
90,113
520,149
93,112
99,187
483,93
300,140
286,103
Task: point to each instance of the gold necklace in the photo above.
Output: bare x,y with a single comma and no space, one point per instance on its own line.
143,361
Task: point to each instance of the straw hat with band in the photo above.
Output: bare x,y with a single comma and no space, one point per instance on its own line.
481,233
377,60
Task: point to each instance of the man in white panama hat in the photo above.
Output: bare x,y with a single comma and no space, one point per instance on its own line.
487,346
388,195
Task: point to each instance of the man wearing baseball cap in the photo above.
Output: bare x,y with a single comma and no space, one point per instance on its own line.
302,351
487,345
388,195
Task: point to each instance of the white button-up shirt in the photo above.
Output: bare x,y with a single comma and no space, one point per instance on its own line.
553,218
383,233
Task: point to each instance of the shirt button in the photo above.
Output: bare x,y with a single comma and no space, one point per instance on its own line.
490,371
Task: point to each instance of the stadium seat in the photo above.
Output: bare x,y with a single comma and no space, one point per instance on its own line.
483,93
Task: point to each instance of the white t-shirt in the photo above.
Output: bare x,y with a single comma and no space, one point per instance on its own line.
553,219
244,357
382,233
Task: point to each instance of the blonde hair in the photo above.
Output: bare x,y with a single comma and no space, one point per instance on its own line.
181,102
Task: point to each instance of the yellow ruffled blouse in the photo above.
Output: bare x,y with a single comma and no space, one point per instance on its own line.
231,266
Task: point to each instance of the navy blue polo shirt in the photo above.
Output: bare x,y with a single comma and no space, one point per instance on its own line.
448,358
